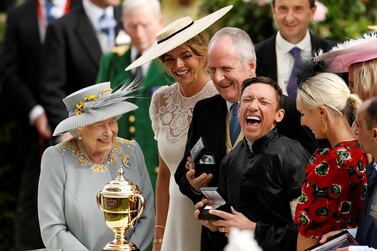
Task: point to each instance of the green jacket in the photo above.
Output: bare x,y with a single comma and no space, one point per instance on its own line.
136,124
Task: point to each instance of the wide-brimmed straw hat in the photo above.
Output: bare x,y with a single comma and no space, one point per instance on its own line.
343,55
177,33
95,103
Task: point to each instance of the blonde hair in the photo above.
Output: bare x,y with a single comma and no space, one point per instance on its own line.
199,46
365,78
329,90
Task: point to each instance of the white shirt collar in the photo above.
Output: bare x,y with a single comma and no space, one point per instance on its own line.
286,46
250,146
375,165
134,53
145,66
94,12
229,105
58,9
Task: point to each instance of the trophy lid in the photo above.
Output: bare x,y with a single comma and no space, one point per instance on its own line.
120,187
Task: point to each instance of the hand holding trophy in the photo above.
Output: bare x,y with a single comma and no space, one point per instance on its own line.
122,205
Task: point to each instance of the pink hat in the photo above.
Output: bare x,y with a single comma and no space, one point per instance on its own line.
343,55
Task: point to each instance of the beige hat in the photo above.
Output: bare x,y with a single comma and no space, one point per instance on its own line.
372,27
96,103
177,33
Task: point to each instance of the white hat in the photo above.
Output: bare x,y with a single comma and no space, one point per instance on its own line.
177,33
343,55
95,103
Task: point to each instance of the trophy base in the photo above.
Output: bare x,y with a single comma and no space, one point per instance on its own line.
127,246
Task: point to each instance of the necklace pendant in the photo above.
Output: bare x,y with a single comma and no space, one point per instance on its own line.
99,168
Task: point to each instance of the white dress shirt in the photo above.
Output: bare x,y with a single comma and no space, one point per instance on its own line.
145,66
57,11
285,61
94,13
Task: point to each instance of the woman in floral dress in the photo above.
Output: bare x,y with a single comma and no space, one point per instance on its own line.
333,193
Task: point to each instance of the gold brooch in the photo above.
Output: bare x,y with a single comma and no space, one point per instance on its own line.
125,160
99,168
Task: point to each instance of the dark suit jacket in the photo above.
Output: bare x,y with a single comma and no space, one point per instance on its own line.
22,49
266,54
267,66
208,122
70,61
21,55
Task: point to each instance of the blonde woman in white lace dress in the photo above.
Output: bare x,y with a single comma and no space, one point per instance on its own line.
171,113
183,49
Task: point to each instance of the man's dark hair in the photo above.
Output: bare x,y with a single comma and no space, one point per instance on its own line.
371,113
311,3
267,81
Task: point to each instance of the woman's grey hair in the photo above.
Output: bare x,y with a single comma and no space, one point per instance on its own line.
76,133
129,5
241,40
329,90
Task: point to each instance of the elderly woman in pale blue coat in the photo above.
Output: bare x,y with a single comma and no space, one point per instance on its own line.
73,171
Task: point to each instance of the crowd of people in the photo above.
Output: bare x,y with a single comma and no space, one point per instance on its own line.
290,125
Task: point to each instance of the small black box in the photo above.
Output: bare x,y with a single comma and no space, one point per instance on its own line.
202,160
220,204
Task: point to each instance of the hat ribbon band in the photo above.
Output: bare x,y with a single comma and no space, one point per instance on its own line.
174,33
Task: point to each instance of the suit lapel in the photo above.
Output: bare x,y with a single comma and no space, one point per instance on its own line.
33,24
220,117
117,16
272,55
87,37
316,44
266,59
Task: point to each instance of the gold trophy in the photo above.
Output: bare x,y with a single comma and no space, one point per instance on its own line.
122,205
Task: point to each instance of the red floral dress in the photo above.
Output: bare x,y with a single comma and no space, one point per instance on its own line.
333,193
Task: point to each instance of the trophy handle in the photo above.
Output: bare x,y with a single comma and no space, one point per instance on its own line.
141,198
99,195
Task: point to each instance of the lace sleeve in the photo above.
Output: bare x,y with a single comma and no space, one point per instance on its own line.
154,111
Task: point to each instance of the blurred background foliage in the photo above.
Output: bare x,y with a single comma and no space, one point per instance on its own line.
344,19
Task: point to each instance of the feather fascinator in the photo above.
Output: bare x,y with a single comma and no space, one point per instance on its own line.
309,68
97,103
343,55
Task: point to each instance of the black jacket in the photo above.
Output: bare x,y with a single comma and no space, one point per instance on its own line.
266,54
262,183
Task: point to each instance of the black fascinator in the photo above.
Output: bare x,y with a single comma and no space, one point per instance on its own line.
309,68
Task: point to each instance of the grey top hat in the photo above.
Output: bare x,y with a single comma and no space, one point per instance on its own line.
96,103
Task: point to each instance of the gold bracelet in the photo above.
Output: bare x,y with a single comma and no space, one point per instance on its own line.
159,226
157,241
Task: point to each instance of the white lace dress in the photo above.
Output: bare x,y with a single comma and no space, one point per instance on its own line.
171,115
